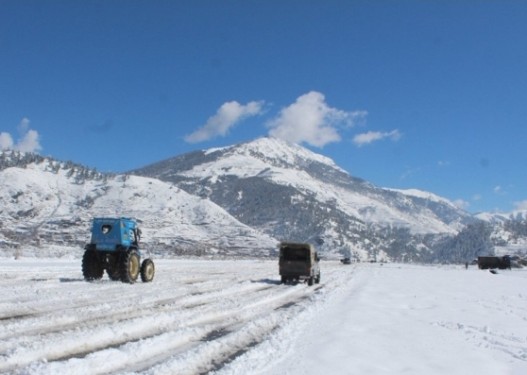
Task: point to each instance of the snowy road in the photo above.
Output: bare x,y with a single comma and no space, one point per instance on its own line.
233,317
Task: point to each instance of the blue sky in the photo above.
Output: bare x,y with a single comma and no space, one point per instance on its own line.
405,94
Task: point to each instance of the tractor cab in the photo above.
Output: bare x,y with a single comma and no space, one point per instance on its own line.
114,247
111,234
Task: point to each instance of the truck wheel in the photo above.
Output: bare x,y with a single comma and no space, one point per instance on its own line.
317,279
283,280
129,267
147,270
91,267
310,281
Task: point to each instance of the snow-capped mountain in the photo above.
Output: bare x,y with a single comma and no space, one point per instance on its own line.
49,202
291,193
500,217
242,200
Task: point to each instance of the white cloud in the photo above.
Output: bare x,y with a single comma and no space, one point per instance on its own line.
309,119
522,205
29,139
369,137
358,117
228,115
6,141
23,126
30,142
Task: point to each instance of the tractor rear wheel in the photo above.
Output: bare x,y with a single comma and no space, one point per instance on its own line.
129,266
147,270
92,268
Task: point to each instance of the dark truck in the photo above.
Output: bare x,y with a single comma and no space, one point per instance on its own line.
298,261
492,262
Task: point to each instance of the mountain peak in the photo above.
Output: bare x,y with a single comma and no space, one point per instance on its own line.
276,149
261,154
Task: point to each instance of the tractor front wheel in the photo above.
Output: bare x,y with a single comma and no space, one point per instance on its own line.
92,268
129,266
147,270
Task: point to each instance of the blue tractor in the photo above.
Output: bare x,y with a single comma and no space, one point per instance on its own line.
114,247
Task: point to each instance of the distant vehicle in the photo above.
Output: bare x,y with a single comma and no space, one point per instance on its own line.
492,262
114,247
345,261
298,262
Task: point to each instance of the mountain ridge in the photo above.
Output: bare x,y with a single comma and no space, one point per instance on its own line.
241,200
307,196
45,202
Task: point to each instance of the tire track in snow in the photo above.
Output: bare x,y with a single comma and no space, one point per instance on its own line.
231,342
68,346
40,315
127,327
213,323
214,332
179,313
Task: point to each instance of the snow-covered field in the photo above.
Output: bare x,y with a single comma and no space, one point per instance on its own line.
233,317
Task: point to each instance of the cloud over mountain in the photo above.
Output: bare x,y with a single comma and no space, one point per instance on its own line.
227,116
371,136
29,140
311,120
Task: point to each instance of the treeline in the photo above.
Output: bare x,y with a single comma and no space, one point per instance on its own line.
403,246
516,226
473,241
10,159
76,171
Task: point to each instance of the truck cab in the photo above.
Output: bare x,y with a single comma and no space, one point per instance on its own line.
298,262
